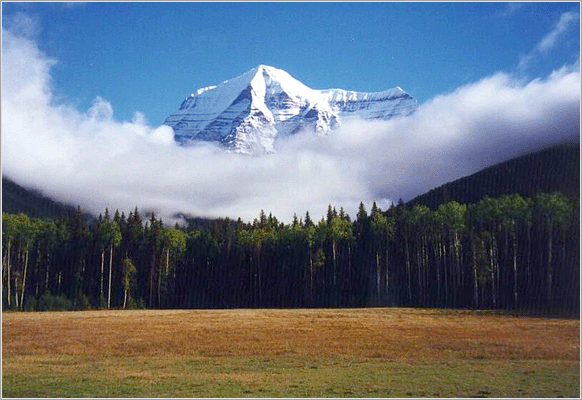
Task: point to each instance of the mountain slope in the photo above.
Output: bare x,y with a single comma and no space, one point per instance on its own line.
553,169
17,199
247,113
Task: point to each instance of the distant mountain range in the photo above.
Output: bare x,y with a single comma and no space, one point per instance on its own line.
553,169
247,113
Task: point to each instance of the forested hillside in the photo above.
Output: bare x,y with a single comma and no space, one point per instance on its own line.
509,252
16,199
545,171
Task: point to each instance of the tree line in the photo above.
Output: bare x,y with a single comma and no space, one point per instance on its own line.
508,252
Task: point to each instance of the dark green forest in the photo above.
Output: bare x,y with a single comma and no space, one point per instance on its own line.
17,199
509,252
549,170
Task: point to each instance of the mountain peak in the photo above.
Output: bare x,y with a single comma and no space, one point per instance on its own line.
247,113
262,68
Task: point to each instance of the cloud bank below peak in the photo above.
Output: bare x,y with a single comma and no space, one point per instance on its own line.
91,159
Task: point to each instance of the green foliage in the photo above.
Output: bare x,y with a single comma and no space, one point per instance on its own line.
109,233
553,208
30,304
499,252
82,302
174,239
49,302
340,228
136,304
451,216
129,272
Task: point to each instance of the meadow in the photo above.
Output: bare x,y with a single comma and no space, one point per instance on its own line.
369,352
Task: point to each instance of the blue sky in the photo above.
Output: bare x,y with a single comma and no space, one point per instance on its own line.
494,80
147,57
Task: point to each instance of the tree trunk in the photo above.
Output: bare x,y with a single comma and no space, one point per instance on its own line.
24,278
378,277
386,281
159,289
419,266
167,272
17,276
334,262
549,268
110,274
37,272
102,264
311,299
446,272
408,274
8,267
47,272
454,272
152,277
459,256
437,257
475,273
492,267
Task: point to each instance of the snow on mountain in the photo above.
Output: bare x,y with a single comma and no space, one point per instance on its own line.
247,113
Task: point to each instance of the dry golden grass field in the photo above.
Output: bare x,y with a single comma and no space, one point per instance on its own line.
371,352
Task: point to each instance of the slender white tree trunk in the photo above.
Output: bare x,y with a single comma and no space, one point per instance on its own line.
492,266
7,263
102,265
334,261
110,274
408,274
475,274
386,278
48,266
378,276
311,279
24,278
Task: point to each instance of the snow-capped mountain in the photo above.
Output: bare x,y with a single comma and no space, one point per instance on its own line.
247,113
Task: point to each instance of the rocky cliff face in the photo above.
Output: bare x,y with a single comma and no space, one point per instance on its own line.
247,113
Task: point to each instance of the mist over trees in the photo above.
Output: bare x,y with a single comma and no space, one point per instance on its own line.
509,252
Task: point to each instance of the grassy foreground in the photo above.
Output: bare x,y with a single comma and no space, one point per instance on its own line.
372,352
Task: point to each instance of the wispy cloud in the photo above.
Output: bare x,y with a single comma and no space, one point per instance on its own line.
22,24
548,41
92,159
551,39
510,9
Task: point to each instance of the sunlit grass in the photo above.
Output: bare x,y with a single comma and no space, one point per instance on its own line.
288,353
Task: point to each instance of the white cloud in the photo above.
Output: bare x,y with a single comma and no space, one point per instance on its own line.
91,159
22,24
550,39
